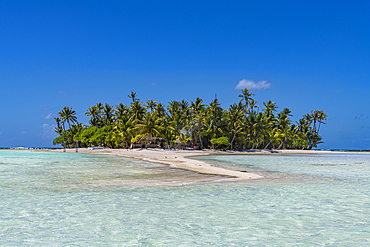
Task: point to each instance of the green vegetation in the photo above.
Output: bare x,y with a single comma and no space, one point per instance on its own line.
222,141
180,124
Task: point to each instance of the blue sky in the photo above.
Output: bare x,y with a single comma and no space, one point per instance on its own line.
312,55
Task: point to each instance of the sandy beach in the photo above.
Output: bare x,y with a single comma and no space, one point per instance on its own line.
178,159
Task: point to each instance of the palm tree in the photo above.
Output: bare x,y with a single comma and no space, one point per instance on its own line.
95,116
247,97
68,115
215,111
270,109
149,125
283,124
212,121
254,126
312,136
321,117
151,105
185,115
168,131
173,107
108,114
198,110
174,114
313,139
315,117
258,129
132,96
252,104
120,110
124,129
137,110
160,111
58,129
234,121
76,128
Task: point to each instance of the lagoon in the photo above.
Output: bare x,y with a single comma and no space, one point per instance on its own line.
59,199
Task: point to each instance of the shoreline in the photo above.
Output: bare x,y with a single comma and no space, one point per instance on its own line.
179,159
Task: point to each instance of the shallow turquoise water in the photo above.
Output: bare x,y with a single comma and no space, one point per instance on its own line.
66,199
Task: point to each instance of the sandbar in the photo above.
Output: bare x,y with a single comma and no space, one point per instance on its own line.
179,159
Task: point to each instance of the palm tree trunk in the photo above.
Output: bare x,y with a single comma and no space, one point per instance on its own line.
64,139
71,134
231,143
281,143
318,129
200,137
269,143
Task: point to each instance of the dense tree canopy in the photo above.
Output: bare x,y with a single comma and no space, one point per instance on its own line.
241,126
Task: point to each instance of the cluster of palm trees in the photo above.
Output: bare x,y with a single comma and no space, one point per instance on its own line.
241,126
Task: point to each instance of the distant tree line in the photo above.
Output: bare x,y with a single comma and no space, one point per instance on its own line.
241,126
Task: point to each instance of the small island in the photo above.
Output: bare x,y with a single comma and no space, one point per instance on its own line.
194,125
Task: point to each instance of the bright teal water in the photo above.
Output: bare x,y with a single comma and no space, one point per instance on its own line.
66,199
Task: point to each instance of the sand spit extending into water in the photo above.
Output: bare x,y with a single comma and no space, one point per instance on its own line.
178,159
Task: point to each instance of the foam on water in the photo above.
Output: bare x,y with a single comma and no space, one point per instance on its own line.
51,199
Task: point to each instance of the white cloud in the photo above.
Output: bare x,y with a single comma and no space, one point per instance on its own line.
359,116
250,84
49,116
48,131
153,83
